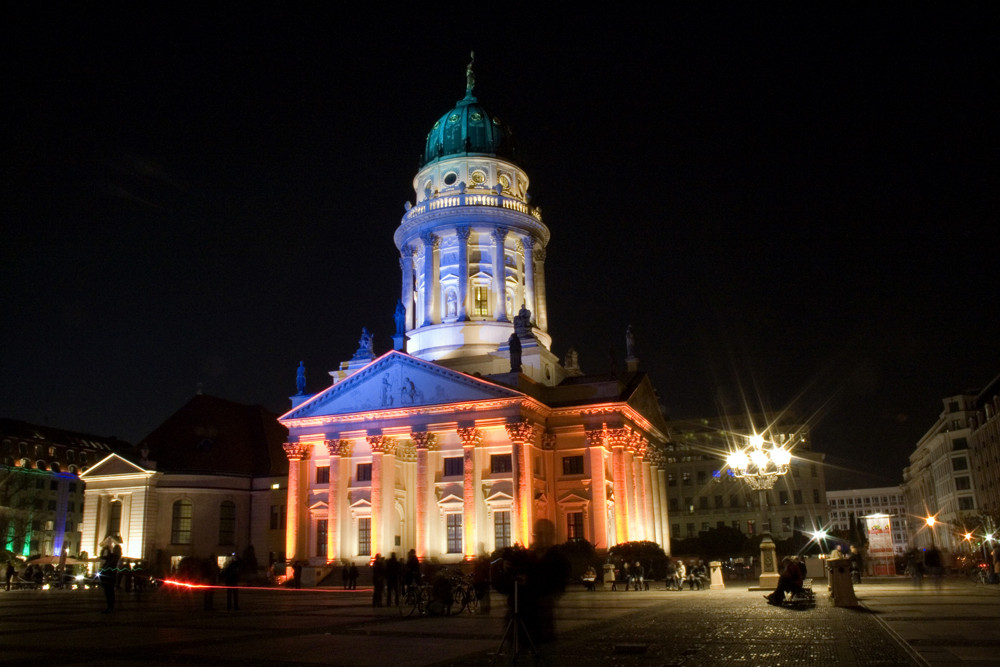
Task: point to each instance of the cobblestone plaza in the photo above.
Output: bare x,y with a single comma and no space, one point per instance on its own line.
897,625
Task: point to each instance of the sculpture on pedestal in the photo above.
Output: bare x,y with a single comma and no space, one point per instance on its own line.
515,353
300,379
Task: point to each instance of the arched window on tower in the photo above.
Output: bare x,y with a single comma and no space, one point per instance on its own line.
180,527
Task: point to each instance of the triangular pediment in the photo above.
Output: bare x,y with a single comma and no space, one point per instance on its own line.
499,496
113,464
644,401
572,498
397,381
451,498
319,505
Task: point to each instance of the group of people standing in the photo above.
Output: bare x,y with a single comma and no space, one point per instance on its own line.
389,575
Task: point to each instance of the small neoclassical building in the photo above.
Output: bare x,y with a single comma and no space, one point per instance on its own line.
471,430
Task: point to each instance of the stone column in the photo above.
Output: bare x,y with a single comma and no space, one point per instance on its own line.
617,438
424,442
463,232
664,513
406,264
647,501
529,275
634,474
542,316
520,434
337,448
380,445
430,278
519,296
654,480
598,485
500,273
296,453
471,438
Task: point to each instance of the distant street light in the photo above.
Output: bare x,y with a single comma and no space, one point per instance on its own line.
930,524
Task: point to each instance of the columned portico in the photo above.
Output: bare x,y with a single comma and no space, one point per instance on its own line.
296,453
598,484
521,434
423,442
337,449
470,437
617,438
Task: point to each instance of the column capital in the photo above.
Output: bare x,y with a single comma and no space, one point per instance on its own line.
521,431
424,440
528,242
540,253
519,246
381,444
548,441
297,451
595,438
617,437
407,251
430,240
463,232
500,234
470,437
338,447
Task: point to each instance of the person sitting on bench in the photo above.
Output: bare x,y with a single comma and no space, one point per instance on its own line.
789,580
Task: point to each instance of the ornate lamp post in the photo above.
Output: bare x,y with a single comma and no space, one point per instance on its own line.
760,464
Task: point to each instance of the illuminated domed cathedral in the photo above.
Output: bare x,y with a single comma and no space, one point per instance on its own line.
470,431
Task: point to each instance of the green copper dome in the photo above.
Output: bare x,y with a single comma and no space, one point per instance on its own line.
468,129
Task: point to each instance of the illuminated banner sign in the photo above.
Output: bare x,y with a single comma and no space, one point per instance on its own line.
880,553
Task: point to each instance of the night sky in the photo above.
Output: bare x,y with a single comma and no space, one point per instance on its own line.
794,209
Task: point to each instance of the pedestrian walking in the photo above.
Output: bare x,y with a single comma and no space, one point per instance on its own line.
111,554
231,579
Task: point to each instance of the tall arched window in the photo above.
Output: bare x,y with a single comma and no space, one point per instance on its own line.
180,528
227,523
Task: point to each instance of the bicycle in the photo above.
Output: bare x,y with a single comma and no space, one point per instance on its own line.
415,600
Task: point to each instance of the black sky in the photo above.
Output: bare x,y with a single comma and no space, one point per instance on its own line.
796,207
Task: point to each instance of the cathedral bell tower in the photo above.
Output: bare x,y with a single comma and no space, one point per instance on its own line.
472,250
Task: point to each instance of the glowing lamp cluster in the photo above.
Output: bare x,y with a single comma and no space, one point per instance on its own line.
758,465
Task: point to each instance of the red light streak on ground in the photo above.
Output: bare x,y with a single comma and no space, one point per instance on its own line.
278,589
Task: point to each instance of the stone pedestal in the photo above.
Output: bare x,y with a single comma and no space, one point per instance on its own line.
841,586
717,582
768,563
609,576
399,342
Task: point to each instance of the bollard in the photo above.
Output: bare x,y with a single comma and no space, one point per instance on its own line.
717,582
